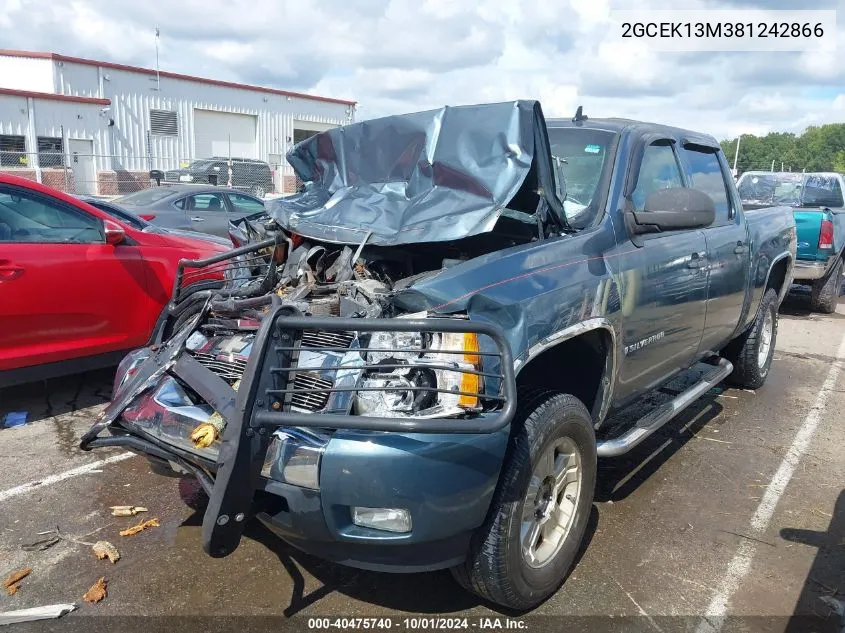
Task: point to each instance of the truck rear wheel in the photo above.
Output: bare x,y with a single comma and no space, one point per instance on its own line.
751,352
825,294
539,513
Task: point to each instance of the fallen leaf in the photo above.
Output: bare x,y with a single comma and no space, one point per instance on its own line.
12,581
126,511
97,592
204,435
104,549
140,527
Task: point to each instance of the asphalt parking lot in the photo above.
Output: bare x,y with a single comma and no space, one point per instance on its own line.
737,508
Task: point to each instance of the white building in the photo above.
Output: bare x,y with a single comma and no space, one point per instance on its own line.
99,127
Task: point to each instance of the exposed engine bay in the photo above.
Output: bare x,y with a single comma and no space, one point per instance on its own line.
326,279
424,374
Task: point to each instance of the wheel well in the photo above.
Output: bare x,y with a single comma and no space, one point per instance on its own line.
777,276
576,366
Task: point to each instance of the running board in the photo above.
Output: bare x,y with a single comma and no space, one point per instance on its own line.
655,419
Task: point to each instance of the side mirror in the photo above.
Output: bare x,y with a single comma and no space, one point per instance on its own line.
114,232
674,209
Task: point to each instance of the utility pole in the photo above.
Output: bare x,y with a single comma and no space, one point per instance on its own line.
736,154
773,165
158,77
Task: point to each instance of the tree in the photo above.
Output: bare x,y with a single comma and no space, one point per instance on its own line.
819,148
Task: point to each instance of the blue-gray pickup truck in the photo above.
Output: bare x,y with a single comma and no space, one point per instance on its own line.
413,363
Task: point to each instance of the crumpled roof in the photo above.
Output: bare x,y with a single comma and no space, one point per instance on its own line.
430,176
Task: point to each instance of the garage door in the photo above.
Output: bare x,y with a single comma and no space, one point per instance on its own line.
216,132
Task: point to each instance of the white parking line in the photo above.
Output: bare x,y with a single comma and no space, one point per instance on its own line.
68,474
714,617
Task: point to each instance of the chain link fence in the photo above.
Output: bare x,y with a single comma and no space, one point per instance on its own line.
779,167
78,171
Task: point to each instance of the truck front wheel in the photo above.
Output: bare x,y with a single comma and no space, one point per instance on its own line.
825,294
539,513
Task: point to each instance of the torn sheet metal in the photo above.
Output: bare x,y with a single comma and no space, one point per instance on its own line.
426,177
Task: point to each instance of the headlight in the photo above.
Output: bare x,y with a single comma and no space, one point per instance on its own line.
168,413
420,374
127,367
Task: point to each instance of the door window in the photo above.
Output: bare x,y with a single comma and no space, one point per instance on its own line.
245,203
26,218
207,202
659,170
705,173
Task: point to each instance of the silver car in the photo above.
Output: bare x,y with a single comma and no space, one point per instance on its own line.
202,208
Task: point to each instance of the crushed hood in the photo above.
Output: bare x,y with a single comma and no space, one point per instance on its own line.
430,176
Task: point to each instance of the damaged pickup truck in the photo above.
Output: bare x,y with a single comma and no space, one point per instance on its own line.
413,362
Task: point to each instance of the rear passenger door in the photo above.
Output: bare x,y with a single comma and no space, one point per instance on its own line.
728,248
208,213
663,278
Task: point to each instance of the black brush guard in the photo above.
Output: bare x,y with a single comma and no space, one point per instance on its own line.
251,268
251,416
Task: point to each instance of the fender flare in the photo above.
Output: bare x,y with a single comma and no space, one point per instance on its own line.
787,280
605,394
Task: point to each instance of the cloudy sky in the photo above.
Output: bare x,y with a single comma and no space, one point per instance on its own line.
405,55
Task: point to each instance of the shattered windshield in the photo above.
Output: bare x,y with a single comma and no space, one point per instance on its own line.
794,189
584,155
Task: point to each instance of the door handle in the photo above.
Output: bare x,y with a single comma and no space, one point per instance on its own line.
197,219
696,260
10,273
740,248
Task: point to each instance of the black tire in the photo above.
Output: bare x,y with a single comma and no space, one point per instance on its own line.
495,567
825,294
258,191
750,370
174,324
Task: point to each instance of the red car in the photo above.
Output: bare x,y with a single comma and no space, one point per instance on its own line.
79,288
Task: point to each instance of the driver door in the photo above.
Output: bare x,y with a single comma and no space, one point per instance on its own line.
64,292
663,278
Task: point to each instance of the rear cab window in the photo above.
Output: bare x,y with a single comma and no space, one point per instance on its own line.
821,190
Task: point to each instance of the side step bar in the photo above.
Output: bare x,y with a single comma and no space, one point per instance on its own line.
662,414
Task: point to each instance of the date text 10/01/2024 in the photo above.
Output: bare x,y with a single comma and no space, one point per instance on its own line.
417,623
721,29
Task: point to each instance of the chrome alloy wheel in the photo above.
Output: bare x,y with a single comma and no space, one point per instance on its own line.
765,339
548,511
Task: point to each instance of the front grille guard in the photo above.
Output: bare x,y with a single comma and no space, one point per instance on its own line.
251,419
248,271
250,426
